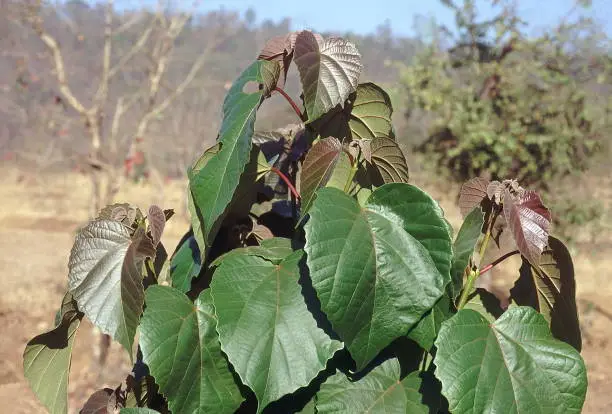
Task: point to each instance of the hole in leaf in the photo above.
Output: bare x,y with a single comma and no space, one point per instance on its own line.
251,87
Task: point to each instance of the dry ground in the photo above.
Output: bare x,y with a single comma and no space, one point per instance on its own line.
38,218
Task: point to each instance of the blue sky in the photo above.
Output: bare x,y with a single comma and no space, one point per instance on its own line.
360,16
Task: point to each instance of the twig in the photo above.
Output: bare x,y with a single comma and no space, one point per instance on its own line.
291,102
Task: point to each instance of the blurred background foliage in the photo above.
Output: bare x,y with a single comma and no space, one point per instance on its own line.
483,97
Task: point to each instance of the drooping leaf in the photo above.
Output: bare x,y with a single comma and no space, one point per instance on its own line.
138,410
122,212
185,265
213,186
550,288
485,303
270,75
279,49
180,345
529,221
426,330
46,359
471,195
329,71
371,113
265,328
317,169
389,160
374,280
105,277
511,365
463,247
380,391
102,401
157,222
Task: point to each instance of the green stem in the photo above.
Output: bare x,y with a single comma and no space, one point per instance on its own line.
354,169
467,289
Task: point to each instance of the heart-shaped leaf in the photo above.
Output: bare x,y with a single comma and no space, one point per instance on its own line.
213,185
185,264
550,288
371,113
463,248
511,365
389,160
485,303
471,195
329,70
374,279
274,250
181,348
317,169
529,222
381,391
279,49
105,277
265,328
46,359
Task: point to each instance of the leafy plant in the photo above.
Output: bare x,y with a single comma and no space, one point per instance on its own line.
335,287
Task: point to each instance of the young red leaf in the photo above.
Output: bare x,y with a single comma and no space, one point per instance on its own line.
529,222
472,193
317,169
279,49
157,222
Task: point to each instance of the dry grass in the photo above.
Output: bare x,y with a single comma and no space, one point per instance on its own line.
38,219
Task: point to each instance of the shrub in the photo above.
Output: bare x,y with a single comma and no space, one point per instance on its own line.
349,295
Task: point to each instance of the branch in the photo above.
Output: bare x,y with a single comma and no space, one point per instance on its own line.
135,49
102,92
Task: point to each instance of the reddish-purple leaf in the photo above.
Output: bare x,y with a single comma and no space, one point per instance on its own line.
279,49
157,222
550,288
100,402
472,193
317,168
329,71
529,221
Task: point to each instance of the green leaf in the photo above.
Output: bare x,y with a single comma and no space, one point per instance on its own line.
374,280
180,345
464,247
185,265
371,113
46,359
426,331
273,250
485,303
105,277
138,410
380,391
265,328
389,160
341,173
317,169
329,70
550,288
511,365
213,186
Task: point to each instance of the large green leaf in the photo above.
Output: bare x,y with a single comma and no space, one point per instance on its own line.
317,169
371,113
329,70
511,365
185,264
105,277
214,184
180,345
274,250
46,359
550,288
265,328
381,391
389,160
463,248
485,303
374,279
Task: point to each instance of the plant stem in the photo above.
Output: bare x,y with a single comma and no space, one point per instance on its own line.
498,261
291,102
467,289
354,168
287,181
